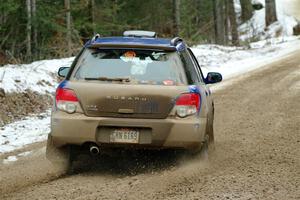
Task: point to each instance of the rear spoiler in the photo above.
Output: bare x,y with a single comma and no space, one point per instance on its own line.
134,46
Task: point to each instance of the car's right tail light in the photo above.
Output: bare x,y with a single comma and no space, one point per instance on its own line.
187,104
66,100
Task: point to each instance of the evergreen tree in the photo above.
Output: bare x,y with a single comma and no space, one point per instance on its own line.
39,29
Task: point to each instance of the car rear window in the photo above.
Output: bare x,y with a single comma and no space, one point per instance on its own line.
152,67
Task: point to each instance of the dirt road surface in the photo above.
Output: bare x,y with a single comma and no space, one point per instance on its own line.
257,153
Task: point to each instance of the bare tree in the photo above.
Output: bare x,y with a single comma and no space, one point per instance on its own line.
93,15
271,15
247,10
219,21
233,23
28,30
226,22
34,28
176,16
68,22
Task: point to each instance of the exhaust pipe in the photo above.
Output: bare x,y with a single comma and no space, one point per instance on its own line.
94,150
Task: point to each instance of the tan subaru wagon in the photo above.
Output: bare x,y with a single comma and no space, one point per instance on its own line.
132,92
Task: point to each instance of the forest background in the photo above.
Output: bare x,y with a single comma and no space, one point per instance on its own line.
43,29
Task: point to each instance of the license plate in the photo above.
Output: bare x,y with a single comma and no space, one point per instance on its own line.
124,135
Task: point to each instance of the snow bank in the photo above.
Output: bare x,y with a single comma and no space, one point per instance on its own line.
18,134
38,76
231,61
254,29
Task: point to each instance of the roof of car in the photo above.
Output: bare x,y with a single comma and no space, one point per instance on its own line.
134,42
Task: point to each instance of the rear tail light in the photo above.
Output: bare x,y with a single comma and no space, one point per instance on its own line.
187,104
66,100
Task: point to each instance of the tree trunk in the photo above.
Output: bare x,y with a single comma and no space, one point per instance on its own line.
68,22
93,15
247,10
28,31
219,21
35,50
233,23
271,15
226,22
176,17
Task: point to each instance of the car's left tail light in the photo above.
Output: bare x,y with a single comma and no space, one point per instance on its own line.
66,100
187,104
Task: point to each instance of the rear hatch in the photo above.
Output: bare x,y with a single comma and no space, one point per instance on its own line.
130,101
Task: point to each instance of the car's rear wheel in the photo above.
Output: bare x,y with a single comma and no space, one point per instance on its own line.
207,145
62,158
210,134
209,142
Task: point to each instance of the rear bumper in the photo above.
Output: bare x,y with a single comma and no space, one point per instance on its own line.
77,129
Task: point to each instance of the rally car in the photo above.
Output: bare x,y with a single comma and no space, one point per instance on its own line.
137,91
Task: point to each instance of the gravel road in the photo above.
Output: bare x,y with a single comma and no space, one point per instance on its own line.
257,154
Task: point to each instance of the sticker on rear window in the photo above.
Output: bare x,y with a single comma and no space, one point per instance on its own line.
130,54
168,82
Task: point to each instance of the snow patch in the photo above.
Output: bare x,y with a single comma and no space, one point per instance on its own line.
39,76
10,159
18,134
26,153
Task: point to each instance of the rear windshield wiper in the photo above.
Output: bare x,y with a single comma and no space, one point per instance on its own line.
120,79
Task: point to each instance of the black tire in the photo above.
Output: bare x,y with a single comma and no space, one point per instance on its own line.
210,133
208,144
210,129
62,158
205,149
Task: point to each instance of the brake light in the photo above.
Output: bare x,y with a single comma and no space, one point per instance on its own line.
66,100
65,95
188,104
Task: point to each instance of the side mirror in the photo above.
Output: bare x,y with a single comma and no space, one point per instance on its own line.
213,77
63,71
